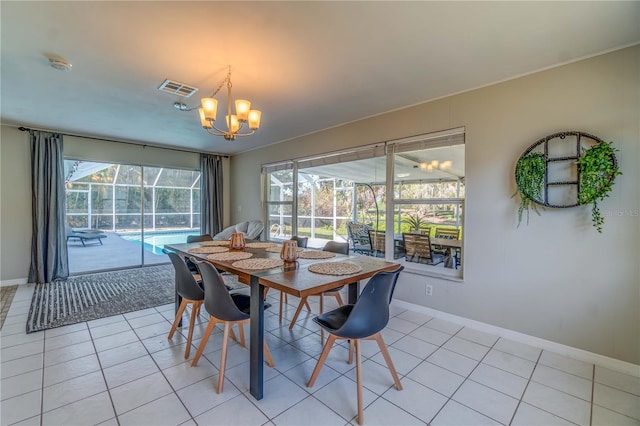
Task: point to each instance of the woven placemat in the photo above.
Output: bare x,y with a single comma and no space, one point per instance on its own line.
278,249
316,254
258,263
335,268
231,255
260,245
208,250
215,243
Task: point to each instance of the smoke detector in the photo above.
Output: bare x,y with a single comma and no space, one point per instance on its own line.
59,64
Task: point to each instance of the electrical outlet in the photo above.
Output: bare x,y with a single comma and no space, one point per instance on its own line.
429,290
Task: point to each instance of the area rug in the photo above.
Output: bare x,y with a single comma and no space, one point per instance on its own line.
6,296
92,296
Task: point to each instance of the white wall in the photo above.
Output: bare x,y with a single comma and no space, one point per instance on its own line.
15,186
557,278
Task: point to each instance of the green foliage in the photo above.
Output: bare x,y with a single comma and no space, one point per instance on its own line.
415,222
597,172
530,174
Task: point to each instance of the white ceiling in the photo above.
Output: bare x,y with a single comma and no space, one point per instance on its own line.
307,65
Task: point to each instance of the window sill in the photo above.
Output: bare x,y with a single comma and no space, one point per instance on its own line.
453,275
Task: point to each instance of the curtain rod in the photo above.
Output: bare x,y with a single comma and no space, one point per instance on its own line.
27,129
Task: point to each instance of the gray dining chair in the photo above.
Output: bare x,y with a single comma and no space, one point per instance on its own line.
363,320
227,309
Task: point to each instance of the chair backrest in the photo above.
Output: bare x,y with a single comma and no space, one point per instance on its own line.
358,233
370,314
336,247
423,247
448,233
217,300
186,284
199,238
377,240
409,244
302,241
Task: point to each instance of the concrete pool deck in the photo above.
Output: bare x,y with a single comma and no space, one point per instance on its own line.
115,252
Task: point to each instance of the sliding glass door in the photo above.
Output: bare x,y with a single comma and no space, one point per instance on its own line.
121,216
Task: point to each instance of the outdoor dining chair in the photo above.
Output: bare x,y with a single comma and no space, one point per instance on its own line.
223,308
364,320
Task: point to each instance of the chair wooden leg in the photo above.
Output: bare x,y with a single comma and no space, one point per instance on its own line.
323,357
181,308
306,305
338,298
321,312
267,356
192,322
233,335
295,316
223,355
241,332
203,341
281,305
359,381
387,358
351,347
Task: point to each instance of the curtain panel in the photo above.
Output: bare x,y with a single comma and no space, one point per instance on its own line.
49,260
211,194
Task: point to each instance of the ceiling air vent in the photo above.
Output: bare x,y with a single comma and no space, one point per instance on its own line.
176,88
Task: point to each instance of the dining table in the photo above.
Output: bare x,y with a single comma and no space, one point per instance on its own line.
293,278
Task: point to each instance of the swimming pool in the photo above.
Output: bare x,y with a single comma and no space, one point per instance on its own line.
154,241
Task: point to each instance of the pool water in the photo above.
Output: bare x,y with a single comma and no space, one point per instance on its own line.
155,241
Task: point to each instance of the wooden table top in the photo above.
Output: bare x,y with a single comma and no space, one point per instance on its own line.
292,278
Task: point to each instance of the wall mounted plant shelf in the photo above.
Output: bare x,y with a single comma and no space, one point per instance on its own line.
566,169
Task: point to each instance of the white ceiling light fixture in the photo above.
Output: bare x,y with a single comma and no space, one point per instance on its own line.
60,64
234,122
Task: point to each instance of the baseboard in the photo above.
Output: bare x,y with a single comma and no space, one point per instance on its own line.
569,351
17,281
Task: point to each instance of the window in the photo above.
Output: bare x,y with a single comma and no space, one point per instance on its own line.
410,186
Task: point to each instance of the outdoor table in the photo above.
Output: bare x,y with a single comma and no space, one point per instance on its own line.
294,279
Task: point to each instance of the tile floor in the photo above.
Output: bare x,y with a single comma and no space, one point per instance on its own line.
122,370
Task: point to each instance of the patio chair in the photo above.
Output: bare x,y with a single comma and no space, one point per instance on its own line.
450,234
378,244
419,245
84,235
359,237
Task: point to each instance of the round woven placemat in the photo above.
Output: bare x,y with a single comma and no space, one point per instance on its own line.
258,263
278,249
316,254
335,268
260,245
215,243
231,255
208,250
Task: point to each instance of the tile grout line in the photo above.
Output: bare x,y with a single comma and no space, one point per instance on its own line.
593,386
450,398
526,387
175,392
103,377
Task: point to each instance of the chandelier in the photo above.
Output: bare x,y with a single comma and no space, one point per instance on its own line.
235,123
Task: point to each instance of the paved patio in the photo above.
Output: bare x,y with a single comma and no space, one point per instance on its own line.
114,253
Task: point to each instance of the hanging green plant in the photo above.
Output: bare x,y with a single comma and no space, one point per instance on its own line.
530,175
598,169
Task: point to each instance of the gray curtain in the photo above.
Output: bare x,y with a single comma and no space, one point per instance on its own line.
49,259
211,194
